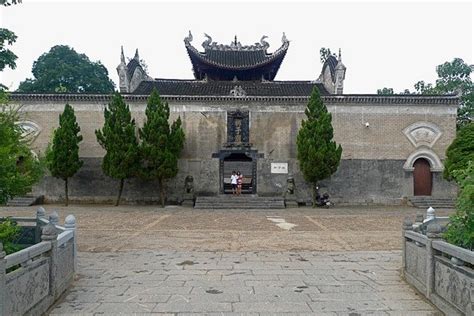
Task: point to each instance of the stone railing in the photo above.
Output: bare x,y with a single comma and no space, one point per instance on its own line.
32,279
439,270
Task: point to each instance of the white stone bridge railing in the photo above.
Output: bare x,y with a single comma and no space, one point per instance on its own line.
442,272
32,279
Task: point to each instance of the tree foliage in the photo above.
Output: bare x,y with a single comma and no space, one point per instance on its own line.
63,70
453,78
385,91
9,234
460,231
317,153
9,2
119,139
161,145
460,152
7,57
62,156
19,169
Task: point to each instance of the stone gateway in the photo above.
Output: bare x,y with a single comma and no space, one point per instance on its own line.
237,117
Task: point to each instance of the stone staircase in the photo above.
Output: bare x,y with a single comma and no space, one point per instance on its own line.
22,201
435,202
246,201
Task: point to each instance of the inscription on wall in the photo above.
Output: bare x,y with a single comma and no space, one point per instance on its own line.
279,167
238,127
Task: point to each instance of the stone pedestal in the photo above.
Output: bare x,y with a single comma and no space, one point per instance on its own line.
188,200
290,201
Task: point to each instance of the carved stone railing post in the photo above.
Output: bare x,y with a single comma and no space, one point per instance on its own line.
70,224
3,287
54,218
50,235
430,214
407,225
418,222
433,231
40,214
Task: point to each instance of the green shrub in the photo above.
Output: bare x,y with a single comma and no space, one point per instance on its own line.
460,231
9,234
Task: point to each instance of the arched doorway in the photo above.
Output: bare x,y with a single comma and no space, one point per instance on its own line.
422,177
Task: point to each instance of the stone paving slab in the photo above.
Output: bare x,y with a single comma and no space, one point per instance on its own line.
237,283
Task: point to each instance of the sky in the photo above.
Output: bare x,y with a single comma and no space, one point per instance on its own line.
384,44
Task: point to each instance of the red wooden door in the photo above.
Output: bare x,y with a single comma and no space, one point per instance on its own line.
422,179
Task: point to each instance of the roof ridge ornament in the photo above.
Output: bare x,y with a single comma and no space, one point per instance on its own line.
235,45
284,40
238,91
188,39
136,57
122,56
207,43
264,43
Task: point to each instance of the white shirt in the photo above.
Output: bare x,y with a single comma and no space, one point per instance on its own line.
233,179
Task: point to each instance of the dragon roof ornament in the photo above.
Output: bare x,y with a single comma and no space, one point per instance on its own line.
235,45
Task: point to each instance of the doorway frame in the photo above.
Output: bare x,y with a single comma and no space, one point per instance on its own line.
251,153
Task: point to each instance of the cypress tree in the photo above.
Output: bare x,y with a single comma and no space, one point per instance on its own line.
62,157
317,153
119,139
160,145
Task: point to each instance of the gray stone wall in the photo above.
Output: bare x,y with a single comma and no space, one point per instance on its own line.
357,181
377,160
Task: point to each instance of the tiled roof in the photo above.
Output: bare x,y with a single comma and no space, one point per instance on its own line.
131,66
222,64
170,87
331,62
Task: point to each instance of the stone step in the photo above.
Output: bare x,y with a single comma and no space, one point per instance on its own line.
435,202
22,201
239,202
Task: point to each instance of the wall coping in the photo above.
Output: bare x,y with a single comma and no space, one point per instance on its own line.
330,99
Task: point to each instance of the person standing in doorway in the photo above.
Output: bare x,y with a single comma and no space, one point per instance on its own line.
239,182
233,182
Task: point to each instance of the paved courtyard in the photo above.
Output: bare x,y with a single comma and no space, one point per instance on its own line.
142,259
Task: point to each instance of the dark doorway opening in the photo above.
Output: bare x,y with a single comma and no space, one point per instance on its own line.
422,177
239,162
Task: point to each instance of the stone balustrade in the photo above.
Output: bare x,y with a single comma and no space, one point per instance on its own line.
32,279
442,272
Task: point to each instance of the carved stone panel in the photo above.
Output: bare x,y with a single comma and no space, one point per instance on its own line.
238,127
416,262
422,134
27,287
454,286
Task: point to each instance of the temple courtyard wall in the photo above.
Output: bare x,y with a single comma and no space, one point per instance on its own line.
381,137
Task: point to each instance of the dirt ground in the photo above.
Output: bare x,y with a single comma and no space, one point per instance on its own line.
104,228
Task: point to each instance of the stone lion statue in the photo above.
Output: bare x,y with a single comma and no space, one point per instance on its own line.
189,184
290,186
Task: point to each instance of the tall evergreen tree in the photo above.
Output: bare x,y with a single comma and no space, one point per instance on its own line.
119,139
318,154
62,156
161,145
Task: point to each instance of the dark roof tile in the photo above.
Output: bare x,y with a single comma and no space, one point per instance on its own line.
170,87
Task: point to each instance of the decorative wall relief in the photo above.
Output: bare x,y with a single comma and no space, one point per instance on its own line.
422,134
238,128
30,130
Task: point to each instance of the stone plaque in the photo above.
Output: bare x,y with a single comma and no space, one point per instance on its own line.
238,127
279,167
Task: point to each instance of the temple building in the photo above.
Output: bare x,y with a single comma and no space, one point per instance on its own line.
236,116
